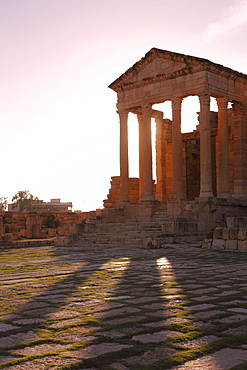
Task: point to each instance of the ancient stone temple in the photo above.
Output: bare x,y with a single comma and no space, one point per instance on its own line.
202,174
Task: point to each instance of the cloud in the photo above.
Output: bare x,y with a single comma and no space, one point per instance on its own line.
232,18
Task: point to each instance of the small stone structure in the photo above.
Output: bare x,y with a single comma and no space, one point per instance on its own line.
42,225
54,205
201,175
231,237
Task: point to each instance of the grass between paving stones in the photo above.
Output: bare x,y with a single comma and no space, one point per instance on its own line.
110,282
242,366
28,358
103,362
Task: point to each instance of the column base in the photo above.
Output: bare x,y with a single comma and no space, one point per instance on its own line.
148,200
206,194
122,202
178,196
223,195
146,209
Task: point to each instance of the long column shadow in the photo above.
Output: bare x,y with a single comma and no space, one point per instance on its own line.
137,323
40,311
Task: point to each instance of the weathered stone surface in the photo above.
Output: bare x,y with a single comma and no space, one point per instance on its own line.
207,244
201,307
152,243
221,360
19,338
4,359
200,341
97,350
242,245
233,233
236,222
151,356
225,233
40,348
160,336
218,244
7,327
242,233
231,244
218,233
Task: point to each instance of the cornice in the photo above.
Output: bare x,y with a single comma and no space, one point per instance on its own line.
193,65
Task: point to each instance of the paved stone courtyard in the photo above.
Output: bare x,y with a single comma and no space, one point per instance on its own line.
179,307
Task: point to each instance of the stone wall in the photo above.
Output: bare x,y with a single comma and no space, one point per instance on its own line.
114,192
38,225
231,237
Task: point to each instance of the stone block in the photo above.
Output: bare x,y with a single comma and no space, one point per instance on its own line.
22,234
51,233
242,233
152,243
8,237
168,239
167,227
233,233
236,222
225,233
60,230
218,243
230,222
231,244
217,248
207,244
242,245
90,221
61,240
218,233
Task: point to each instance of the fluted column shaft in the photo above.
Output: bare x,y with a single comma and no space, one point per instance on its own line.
124,159
145,150
205,147
160,157
140,122
177,151
223,185
240,150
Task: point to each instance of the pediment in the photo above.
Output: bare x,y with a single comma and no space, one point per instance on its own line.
159,65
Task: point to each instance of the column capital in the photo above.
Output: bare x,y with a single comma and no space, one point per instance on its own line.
177,103
222,103
157,115
204,99
123,112
147,108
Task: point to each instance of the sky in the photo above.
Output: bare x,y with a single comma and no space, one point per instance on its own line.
59,128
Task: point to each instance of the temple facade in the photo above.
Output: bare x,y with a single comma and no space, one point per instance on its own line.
206,166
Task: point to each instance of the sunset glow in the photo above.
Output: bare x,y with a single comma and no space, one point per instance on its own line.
58,122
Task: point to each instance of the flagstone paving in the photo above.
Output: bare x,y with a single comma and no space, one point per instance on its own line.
179,307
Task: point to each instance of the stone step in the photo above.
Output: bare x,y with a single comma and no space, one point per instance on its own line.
130,234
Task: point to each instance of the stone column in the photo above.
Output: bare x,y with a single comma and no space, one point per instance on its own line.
145,150
205,147
240,149
140,122
223,184
177,151
124,160
160,157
